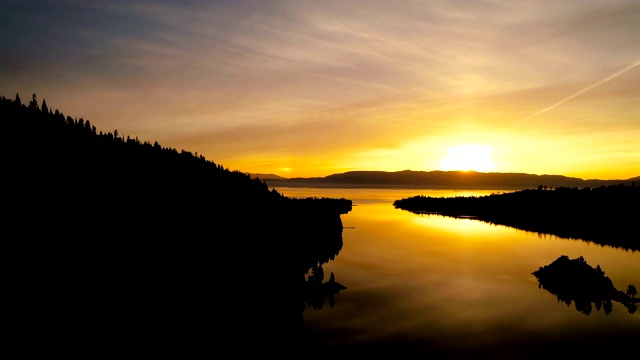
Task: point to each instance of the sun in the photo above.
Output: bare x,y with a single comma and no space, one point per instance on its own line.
468,157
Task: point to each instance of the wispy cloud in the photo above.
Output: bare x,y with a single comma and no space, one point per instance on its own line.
598,83
307,78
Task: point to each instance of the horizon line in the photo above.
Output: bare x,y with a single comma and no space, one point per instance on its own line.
633,178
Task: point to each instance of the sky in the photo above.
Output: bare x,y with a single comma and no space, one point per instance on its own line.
313,88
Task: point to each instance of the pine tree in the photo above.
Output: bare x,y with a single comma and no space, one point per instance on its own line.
33,104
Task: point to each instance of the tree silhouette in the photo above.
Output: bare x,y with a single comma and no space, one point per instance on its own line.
631,291
33,104
599,270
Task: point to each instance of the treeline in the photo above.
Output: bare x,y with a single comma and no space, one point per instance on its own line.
607,215
60,161
61,147
158,243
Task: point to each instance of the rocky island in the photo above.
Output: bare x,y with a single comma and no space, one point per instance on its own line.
573,280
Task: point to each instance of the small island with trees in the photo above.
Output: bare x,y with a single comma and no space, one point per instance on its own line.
606,215
574,280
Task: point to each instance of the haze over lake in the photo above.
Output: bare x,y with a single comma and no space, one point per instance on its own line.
458,286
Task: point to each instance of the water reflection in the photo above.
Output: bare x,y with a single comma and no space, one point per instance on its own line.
573,280
316,291
447,288
265,295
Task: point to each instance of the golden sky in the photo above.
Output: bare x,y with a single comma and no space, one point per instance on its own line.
311,88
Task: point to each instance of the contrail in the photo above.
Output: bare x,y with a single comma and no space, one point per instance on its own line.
610,77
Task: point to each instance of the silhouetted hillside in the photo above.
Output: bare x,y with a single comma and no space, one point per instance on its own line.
441,179
607,215
116,242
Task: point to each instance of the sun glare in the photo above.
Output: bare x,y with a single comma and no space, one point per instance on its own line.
468,158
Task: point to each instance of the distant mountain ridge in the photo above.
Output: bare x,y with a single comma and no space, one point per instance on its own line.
442,179
266,176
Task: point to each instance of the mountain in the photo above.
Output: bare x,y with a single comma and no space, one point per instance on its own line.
441,179
266,176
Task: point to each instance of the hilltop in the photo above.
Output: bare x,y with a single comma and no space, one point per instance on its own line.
64,163
441,179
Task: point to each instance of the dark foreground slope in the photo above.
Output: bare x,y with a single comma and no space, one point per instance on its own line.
117,244
607,215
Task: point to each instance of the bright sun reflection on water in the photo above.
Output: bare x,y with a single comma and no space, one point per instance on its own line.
458,226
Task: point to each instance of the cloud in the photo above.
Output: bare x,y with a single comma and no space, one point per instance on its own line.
598,83
255,75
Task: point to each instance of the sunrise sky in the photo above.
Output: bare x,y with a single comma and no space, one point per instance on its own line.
312,88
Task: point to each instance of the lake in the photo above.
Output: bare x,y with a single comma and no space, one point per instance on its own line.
459,288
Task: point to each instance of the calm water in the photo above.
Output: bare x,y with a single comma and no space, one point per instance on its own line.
458,286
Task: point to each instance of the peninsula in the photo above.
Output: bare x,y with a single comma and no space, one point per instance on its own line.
607,215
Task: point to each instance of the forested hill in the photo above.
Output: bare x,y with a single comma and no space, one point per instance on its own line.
116,242
61,162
